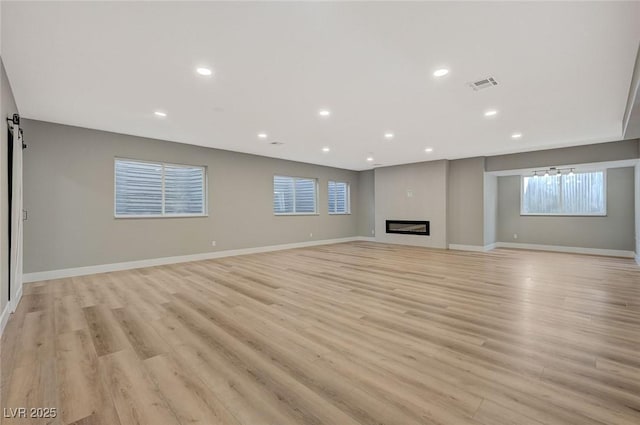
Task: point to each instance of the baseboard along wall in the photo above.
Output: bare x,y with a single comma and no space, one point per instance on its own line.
128,265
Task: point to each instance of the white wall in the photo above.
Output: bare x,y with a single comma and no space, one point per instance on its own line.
412,192
7,107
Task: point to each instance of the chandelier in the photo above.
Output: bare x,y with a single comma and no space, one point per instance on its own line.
553,171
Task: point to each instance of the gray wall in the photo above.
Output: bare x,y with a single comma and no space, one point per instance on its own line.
69,190
614,151
490,209
7,107
366,204
412,192
465,194
615,231
637,199
69,196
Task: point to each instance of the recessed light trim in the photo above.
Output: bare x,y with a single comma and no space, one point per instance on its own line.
326,149
440,72
516,135
262,135
428,150
204,71
491,113
160,114
324,112
389,135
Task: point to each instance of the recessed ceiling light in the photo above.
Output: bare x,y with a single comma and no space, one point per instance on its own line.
324,112
428,150
440,72
262,135
516,135
160,114
388,136
369,158
326,149
491,113
204,71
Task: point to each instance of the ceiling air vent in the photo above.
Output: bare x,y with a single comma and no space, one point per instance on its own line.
276,143
485,83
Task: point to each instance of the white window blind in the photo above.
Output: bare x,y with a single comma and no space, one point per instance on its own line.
339,198
294,195
147,189
566,194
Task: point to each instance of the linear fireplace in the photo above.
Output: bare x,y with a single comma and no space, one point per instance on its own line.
408,227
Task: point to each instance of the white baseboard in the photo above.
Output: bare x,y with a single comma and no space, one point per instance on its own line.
9,309
104,268
478,248
16,299
570,249
366,238
4,317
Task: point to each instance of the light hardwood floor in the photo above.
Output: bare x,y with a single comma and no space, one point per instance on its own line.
347,334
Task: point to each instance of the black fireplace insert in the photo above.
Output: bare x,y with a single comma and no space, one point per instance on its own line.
408,227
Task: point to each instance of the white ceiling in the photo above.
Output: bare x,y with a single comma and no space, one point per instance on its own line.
564,71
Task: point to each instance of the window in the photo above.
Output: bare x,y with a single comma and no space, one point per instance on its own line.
339,198
150,189
565,194
294,195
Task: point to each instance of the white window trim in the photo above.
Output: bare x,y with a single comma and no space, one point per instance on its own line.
604,214
348,200
205,188
315,179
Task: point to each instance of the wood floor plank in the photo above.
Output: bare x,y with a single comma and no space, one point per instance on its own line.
187,395
141,335
82,392
137,399
69,314
106,333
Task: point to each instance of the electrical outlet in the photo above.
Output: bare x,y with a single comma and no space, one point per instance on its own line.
515,236
373,232
310,235
213,243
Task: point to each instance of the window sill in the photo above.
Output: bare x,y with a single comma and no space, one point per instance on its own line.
563,215
290,214
119,217
347,213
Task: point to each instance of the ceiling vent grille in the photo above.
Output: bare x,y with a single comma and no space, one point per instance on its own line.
485,83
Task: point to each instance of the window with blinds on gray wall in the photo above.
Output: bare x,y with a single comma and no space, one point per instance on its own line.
294,195
338,198
150,189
